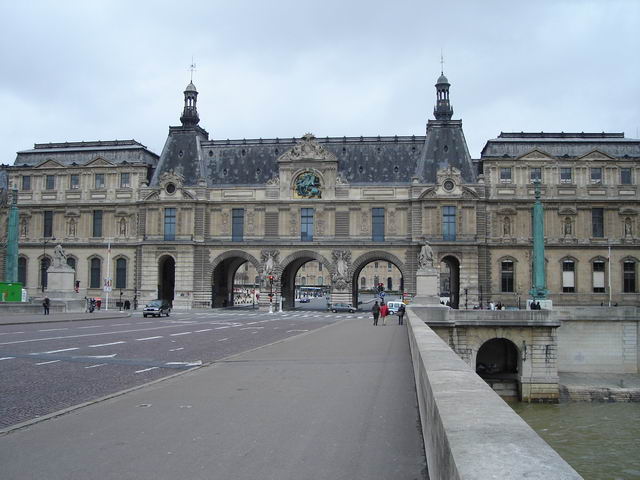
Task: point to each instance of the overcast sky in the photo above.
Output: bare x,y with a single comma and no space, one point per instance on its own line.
104,70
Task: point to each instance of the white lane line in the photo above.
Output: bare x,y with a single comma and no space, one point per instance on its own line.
178,334
46,363
251,328
106,344
289,331
10,333
98,365
7,358
52,329
146,369
176,349
94,326
119,324
220,328
223,339
203,330
148,338
143,323
187,364
63,350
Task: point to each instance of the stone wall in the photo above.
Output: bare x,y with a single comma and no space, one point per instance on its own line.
469,432
598,339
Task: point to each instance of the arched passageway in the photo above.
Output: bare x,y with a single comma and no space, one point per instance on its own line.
234,280
375,272
450,280
498,363
305,276
166,278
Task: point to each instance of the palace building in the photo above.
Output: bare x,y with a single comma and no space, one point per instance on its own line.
180,225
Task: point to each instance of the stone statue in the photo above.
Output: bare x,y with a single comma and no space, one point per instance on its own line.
425,257
341,259
567,226
123,227
269,258
506,227
59,257
627,227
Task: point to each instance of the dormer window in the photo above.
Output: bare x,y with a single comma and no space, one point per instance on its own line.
50,182
625,176
505,175
596,176
124,180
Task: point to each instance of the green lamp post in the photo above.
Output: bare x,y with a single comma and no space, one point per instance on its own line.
539,290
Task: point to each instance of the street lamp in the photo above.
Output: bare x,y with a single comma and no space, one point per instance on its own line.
44,258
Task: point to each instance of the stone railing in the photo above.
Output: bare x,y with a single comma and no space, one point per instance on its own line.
469,431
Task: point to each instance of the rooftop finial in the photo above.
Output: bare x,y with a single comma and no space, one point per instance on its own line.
192,67
441,63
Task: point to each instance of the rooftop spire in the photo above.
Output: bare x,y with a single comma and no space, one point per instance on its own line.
443,109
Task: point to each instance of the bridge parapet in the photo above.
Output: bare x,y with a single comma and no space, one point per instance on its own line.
469,431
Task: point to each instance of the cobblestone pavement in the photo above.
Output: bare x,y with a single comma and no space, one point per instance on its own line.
49,367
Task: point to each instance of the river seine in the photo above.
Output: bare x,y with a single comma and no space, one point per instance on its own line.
599,440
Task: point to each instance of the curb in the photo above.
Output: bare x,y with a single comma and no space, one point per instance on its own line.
59,413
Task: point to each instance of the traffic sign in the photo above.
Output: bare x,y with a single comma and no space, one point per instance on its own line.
107,285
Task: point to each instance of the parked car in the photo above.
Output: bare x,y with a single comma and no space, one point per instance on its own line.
342,307
393,306
305,300
155,308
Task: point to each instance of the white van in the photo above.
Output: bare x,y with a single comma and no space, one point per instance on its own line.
394,306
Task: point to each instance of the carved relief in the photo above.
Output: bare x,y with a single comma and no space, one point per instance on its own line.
320,223
307,149
273,181
72,228
225,222
293,223
122,227
392,222
269,261
341,262
307,185
628,227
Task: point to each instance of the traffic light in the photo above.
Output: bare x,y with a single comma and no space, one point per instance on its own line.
270,277
380,288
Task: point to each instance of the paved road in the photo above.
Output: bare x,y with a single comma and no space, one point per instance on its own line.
334,403
49,367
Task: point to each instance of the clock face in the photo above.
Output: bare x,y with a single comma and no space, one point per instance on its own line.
448,185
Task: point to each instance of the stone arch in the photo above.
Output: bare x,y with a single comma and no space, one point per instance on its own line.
222,271
363,260
498,360
286,270
454,263
166,276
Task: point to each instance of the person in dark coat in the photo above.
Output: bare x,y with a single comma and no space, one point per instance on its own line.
401,312
45,304
375,310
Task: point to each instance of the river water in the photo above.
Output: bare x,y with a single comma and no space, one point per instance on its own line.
599,440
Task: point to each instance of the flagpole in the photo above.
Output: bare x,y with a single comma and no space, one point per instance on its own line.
106,307
609,274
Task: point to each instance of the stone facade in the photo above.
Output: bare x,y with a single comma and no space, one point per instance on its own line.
181,224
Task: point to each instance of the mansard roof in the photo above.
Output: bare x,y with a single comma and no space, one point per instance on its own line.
361,160
566,145
67,153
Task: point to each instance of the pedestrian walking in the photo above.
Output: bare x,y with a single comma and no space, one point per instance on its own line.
45,305
401,311
98,303
375,310
384,311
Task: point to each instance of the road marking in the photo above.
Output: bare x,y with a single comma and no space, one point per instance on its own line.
181,333
52,329
204,330
251,328
106,344
143,323
148,338
146,369
119,324
46,363
289,331
186,364
98,365
7,358
63,350
176,349
223,339
98,356
220,328
10,333
94,326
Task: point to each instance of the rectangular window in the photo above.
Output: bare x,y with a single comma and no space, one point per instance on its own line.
74,181
97,223
389,266
99,178
449,223
377,224
565,175
535,174
505,175
48,224
568,277
598,277
169,223
50,182
124,180
237,224
507,276
597,222
629,277
596,175
319,267
26,182
306,224
625,176
121,273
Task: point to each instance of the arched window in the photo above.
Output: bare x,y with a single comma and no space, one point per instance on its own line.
568,276
629,276
44,265
71,262
121,273
389,283
598,275
22,271
506,276
94,273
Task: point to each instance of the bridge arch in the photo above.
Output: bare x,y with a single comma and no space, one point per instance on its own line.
223,271
499,362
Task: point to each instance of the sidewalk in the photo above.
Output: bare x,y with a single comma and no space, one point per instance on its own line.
335,403
22,318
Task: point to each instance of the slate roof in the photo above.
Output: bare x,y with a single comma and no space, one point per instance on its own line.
66,153
569,145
